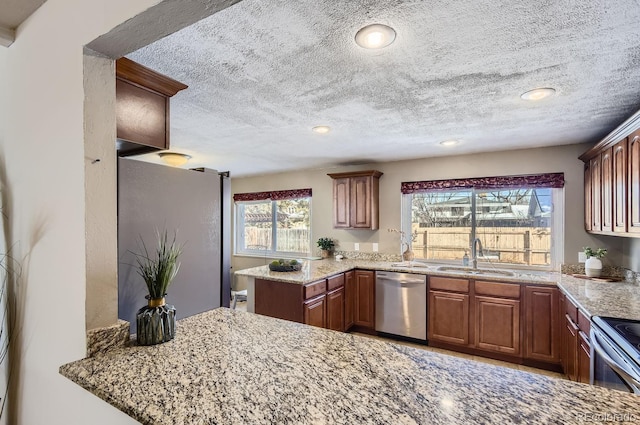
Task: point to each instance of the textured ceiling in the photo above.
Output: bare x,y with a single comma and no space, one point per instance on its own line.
261,74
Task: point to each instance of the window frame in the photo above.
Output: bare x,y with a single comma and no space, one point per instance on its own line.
557,227
271,252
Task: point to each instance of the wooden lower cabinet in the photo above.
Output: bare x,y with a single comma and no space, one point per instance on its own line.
448,317
315,311
365,299
335,310
542,324
570,348
497,325
584,358
349,299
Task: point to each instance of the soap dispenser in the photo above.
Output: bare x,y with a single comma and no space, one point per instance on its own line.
465,259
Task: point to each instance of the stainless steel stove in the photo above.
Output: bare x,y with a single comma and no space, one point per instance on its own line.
615,353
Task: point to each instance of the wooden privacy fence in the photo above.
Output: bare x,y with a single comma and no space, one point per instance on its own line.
515,245
289,240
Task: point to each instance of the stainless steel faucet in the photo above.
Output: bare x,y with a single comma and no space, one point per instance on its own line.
474,253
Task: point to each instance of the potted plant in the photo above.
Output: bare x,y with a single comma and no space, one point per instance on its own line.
593,265
326,245
156,322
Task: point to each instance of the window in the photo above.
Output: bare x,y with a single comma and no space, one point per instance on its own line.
518,220
273,223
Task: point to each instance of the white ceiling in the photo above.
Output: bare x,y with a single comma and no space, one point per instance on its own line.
12,14
261,74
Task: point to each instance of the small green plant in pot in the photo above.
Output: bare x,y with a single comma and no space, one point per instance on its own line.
593,265
326,245
156,322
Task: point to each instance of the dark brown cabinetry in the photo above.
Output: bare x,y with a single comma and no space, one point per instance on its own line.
142,107
336,303
542,324
349,299
365,300
315,311
497,312
612,182
355,199
448,317
576,347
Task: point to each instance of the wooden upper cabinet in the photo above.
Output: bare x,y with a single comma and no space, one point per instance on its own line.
588,206
355,199
606,162
142,108
633,183
596,194
619,186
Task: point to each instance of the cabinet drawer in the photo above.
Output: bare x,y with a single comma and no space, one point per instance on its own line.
571,310
448,284
497,289
584,323
335,282
315,288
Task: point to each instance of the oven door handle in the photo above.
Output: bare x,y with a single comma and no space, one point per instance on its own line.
633,382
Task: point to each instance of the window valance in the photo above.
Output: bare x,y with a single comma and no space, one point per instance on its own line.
534,181
275,195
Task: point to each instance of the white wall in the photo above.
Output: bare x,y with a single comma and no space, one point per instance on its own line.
41,138
529,161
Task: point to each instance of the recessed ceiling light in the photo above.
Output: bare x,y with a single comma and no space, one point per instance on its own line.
375,36
449,142
174,159
538,94
321,129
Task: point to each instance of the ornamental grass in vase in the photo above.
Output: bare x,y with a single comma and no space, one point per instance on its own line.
156,322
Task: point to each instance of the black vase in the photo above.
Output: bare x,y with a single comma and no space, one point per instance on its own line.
156,322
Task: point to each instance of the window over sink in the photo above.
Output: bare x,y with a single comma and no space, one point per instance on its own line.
273,224
518,220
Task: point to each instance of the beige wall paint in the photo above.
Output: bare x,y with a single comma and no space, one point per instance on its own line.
42,140
100,192
529,161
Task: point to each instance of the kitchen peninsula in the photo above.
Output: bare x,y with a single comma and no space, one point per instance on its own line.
230,367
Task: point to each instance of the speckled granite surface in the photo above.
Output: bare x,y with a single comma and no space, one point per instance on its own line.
230,367
103,339
316,270
614,299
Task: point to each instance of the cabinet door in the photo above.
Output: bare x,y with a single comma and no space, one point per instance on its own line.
606,163
584,358
341,202
365,299
633,183
542,324
570,347
335,310
588,207
349,299
620,186
497,325
315,311
448,317
361,202
596,194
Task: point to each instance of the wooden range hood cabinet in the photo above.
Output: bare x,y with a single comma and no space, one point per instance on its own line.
142,108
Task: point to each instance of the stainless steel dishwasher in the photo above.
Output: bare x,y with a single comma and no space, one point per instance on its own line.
401,304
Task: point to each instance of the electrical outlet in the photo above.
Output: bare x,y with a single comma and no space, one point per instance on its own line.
356,246
582,257
375,247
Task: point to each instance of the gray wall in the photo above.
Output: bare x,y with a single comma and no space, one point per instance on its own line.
150,197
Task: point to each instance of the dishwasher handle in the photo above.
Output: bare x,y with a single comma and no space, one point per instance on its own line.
405,282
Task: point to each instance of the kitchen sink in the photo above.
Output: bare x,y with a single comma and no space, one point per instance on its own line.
472,271
412,265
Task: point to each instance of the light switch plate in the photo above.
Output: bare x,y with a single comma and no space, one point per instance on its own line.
356,246
582,257
375,247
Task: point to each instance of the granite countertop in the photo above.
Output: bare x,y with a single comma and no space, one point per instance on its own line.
613,299
316,270
231,367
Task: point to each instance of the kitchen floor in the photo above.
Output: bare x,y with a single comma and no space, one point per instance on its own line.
242,306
